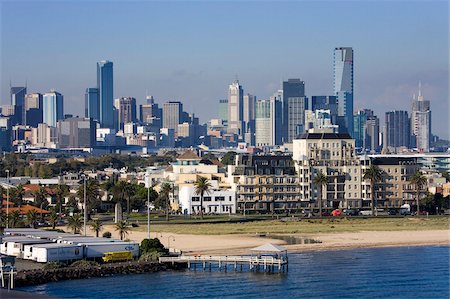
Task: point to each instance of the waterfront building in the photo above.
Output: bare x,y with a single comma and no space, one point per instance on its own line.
265,184
334,155
105,88
343,86
294,104
53,108
18,101
92,104
397,129
235,108
76,132
421,122
33,109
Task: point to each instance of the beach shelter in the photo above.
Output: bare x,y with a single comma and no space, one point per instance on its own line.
269,249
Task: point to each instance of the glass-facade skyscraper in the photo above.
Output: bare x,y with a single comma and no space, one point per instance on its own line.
343,86
105,93
53,108
92,105
294,105
18,101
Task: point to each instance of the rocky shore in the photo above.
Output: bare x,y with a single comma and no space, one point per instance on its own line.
41,276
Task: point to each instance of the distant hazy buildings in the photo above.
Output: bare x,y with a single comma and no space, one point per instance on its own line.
249,118
92,104
53,108
33,109
294,105
421,122
106,93
18,101
223,110
126,110
76,133
150,113
5,134
372,140
343,86
235,108
172,115
397,129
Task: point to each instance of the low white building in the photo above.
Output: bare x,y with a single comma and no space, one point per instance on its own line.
217,201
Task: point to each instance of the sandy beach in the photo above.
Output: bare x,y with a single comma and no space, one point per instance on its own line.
241,243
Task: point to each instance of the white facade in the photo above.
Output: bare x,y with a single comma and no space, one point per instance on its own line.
217,201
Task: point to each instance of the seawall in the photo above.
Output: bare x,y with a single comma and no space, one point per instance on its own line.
41,276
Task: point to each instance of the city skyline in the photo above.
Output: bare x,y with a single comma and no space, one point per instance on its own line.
200,78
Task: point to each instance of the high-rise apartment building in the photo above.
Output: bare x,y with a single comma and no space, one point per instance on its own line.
343,86
126,110
294,105
172,115
18,101
397,129
53,108
235,108
92,104
106,93
33,109
421,122
359,126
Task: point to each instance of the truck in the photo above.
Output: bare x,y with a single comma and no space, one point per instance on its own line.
98,250
117,256
53,252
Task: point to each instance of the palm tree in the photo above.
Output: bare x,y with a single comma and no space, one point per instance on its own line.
419,180
92,195
122,228
40,197
14,219
53,219
32,218
119,192
97,226
374,175
60,192
202,186
320,180
166,188
75,223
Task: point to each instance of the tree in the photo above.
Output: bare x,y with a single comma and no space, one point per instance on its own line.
40,197
166,188
32,218
53,218
320,180
122,228
374,175
119,192
202,186
72,203
228,158
92,195
60,192
418,180
96,226
75,223
14,219
17,194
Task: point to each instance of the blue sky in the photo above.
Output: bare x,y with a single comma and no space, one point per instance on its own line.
191,51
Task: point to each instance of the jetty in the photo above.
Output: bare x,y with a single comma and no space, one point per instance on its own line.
268,258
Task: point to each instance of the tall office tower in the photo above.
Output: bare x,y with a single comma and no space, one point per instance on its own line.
359,126
150,113
235,108
249,118
294,106
343,86
53,108
325,103
268,126
33,109
397,129
18,101
76,132
91,104
421,122
126,109
223,110
105,93
172,115
5,134
372,140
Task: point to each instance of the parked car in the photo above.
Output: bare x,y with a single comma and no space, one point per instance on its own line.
365,213
351,212
392,212
382,212
326,213
336,213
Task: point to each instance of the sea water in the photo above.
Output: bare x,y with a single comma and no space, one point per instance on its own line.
400,272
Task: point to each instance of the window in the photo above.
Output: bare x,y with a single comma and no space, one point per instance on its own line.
195,198
220,198
207,198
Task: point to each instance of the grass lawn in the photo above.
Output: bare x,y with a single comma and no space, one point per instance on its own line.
305,226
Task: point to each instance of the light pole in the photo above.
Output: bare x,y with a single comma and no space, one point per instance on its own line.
85,204
148,205
7,198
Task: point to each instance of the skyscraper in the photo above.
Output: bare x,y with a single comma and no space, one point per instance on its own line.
396,128
91,104
76,132
249,118
172,115
53,108
33,109
343,86
268,129
235,108
106,93
18,101
223,110
150,113
294,105
421,122
359,126
372,141
126,108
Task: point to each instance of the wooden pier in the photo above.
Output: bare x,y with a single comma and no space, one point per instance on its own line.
241,263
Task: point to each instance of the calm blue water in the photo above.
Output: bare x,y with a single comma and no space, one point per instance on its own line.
403,272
